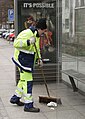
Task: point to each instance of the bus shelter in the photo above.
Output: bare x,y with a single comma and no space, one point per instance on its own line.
50,46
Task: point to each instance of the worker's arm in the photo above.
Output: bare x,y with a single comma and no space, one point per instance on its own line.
24,39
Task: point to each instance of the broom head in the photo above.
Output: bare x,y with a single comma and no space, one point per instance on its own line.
46,100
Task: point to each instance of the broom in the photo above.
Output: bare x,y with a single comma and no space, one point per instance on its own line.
44,99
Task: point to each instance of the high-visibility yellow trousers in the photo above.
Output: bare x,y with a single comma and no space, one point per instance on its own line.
24,86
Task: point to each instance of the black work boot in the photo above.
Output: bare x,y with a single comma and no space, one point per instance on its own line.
29,108
16,100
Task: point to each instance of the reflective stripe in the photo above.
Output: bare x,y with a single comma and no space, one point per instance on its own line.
27,95
20,90
28,101
25,68
18,95
21,43
28,98
25,51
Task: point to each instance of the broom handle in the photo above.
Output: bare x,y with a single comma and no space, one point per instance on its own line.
42,73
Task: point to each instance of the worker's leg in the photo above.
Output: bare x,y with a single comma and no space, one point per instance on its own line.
27,81
15,99
27,91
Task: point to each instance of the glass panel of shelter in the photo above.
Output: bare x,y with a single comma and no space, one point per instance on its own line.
73,36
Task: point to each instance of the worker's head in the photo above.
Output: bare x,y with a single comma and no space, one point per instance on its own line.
41,26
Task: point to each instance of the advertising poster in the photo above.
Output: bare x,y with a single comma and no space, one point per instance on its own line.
40,9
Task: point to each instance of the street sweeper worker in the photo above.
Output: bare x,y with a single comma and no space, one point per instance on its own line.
25,56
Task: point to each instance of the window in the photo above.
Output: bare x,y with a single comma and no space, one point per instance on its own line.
77,3
66,4
82,2
67,23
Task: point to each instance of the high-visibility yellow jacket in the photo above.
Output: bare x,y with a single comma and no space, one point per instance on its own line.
25,54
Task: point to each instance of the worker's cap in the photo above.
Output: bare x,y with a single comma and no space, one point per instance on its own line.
41,24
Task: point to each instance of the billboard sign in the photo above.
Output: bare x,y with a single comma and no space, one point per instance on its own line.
40,9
